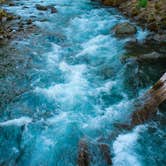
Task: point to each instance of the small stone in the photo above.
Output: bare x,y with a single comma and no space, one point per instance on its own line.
11,4
1,37
53,9
29,21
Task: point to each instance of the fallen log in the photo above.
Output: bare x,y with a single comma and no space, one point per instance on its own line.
147,109
151,100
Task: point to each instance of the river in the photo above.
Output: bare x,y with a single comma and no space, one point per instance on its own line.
74,86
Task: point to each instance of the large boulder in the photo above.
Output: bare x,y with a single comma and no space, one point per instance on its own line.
125,29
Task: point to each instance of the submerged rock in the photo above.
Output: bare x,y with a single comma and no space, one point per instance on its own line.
83,156
106,153
152,49
52,9
125,29
41,7
29,21
45,8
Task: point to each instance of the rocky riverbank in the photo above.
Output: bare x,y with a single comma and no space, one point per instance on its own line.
150,15
13,26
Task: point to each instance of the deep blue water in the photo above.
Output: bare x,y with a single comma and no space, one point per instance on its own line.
76,87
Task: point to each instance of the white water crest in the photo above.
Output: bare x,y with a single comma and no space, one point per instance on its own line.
124,148
74,87
16,122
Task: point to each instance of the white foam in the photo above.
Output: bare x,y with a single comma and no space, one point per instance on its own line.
106,87
109,115
91,46
47,141
141,34
123,148
73,88
62,117
53,56
16,122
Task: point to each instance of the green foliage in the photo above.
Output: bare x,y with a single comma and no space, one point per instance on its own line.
142,3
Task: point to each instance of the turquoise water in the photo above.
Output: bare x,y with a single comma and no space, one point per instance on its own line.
75,87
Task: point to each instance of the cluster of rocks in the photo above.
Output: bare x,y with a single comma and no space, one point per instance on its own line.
153,17
45,8
11,25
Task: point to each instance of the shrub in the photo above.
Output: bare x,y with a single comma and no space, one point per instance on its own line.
142,3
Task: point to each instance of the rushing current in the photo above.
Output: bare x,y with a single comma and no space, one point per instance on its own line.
72,85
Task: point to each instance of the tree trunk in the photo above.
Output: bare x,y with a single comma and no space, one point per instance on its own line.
152,99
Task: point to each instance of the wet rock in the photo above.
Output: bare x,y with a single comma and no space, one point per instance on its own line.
44,8
41,7
83,156
106,72
25,7
121,126
153,56
1,37
53,9
106,153
29,21
125,29
153,48
158,38
11,4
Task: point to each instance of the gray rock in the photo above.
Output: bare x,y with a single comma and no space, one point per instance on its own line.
53,9
1,37
125,29
151,56
29,21
41,7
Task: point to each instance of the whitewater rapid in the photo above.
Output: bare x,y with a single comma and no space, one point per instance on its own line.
77,89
